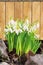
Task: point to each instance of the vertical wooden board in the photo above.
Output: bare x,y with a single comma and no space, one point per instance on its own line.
19,10
27,10
35,11
36,14
22,10
2,19
9,11
41,33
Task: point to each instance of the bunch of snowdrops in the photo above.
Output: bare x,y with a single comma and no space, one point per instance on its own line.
21,36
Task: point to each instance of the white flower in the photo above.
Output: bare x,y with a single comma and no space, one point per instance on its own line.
37,35
20,25
18,31
17,28
13,26
30,30
26,25
34,27
27,21
25,28
10,30
11,22
38,25
6,30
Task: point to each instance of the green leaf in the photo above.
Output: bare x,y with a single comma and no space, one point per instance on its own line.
27,44
36,46
15,40
20,42
10,38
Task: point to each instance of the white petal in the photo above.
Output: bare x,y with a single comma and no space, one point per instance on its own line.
17,32
25,28
37,35
10,30
38,25
6,30
27,22
34,27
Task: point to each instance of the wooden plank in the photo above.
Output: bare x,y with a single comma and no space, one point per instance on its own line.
2,19
41,33
27,10
19,10
36,11
36,14
9,11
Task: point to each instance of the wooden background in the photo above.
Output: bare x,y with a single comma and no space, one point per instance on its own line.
34,11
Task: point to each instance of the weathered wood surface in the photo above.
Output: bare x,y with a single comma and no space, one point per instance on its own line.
27,10
2,19
9,10
36,15
34,11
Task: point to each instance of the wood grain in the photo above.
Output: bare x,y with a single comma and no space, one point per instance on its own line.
27,10
36,14
18,10
35,11
41,33
9,11
2,19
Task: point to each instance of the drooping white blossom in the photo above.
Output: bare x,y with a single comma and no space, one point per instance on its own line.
38,25
37,36
9,30
17,27
11,22
26,25
6,30
13,26
34,27
18,31
9,26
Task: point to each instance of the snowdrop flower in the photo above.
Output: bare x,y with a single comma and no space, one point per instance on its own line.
6,30
37,35
25,28
20,25
10,30
27,22
26,25
38,25
11,22
30,30
17,28
18,31
35,27
13,26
